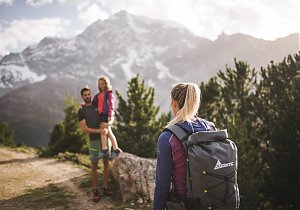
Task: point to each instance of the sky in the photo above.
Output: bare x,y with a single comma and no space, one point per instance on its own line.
26,22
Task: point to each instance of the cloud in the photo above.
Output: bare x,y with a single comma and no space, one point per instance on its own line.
78,3
37,3
257,18
21,33
91,13
7,2
207,18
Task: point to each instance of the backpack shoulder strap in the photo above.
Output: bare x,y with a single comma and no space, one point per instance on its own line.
179,132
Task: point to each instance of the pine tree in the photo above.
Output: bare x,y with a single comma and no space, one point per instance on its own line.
136,126
210,100
66,135
6,135
238,87
56,137
278,111
74,138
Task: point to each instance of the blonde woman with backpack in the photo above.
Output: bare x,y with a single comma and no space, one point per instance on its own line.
171,170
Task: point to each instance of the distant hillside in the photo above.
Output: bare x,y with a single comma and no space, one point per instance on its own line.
33,109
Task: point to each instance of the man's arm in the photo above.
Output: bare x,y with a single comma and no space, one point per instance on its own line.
86,129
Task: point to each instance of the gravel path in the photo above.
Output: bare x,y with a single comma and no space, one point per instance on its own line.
30,182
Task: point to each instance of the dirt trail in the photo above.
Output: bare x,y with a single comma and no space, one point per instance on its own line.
30,182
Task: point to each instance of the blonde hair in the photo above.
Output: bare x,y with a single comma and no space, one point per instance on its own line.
106,82
188,97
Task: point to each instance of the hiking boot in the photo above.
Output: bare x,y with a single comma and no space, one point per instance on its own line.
96,196
103,153
107,192
115,153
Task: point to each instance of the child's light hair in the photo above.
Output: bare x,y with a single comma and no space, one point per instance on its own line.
106,81
188,97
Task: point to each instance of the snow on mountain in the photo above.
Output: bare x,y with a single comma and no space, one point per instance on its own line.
14,69
164,72
18,73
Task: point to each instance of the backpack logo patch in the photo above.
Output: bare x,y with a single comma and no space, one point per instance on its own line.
222,165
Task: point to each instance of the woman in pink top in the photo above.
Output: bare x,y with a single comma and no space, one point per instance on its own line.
104,100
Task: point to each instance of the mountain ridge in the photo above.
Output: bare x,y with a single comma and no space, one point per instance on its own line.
161,52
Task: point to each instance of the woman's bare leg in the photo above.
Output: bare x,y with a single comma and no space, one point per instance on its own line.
112,138
104,132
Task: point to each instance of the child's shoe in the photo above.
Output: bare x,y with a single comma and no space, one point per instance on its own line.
103,153
115,153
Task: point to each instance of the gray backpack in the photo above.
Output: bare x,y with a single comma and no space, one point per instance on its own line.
211,169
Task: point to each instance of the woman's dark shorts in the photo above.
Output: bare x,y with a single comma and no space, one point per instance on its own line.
103,117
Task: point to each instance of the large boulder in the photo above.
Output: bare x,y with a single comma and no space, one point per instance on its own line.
136,177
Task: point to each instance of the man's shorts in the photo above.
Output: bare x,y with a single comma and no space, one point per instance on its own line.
103,117
94,148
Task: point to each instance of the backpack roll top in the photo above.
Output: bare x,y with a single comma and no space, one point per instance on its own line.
207,136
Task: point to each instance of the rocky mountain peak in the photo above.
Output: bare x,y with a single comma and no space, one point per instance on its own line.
11,58
47,41
161,52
